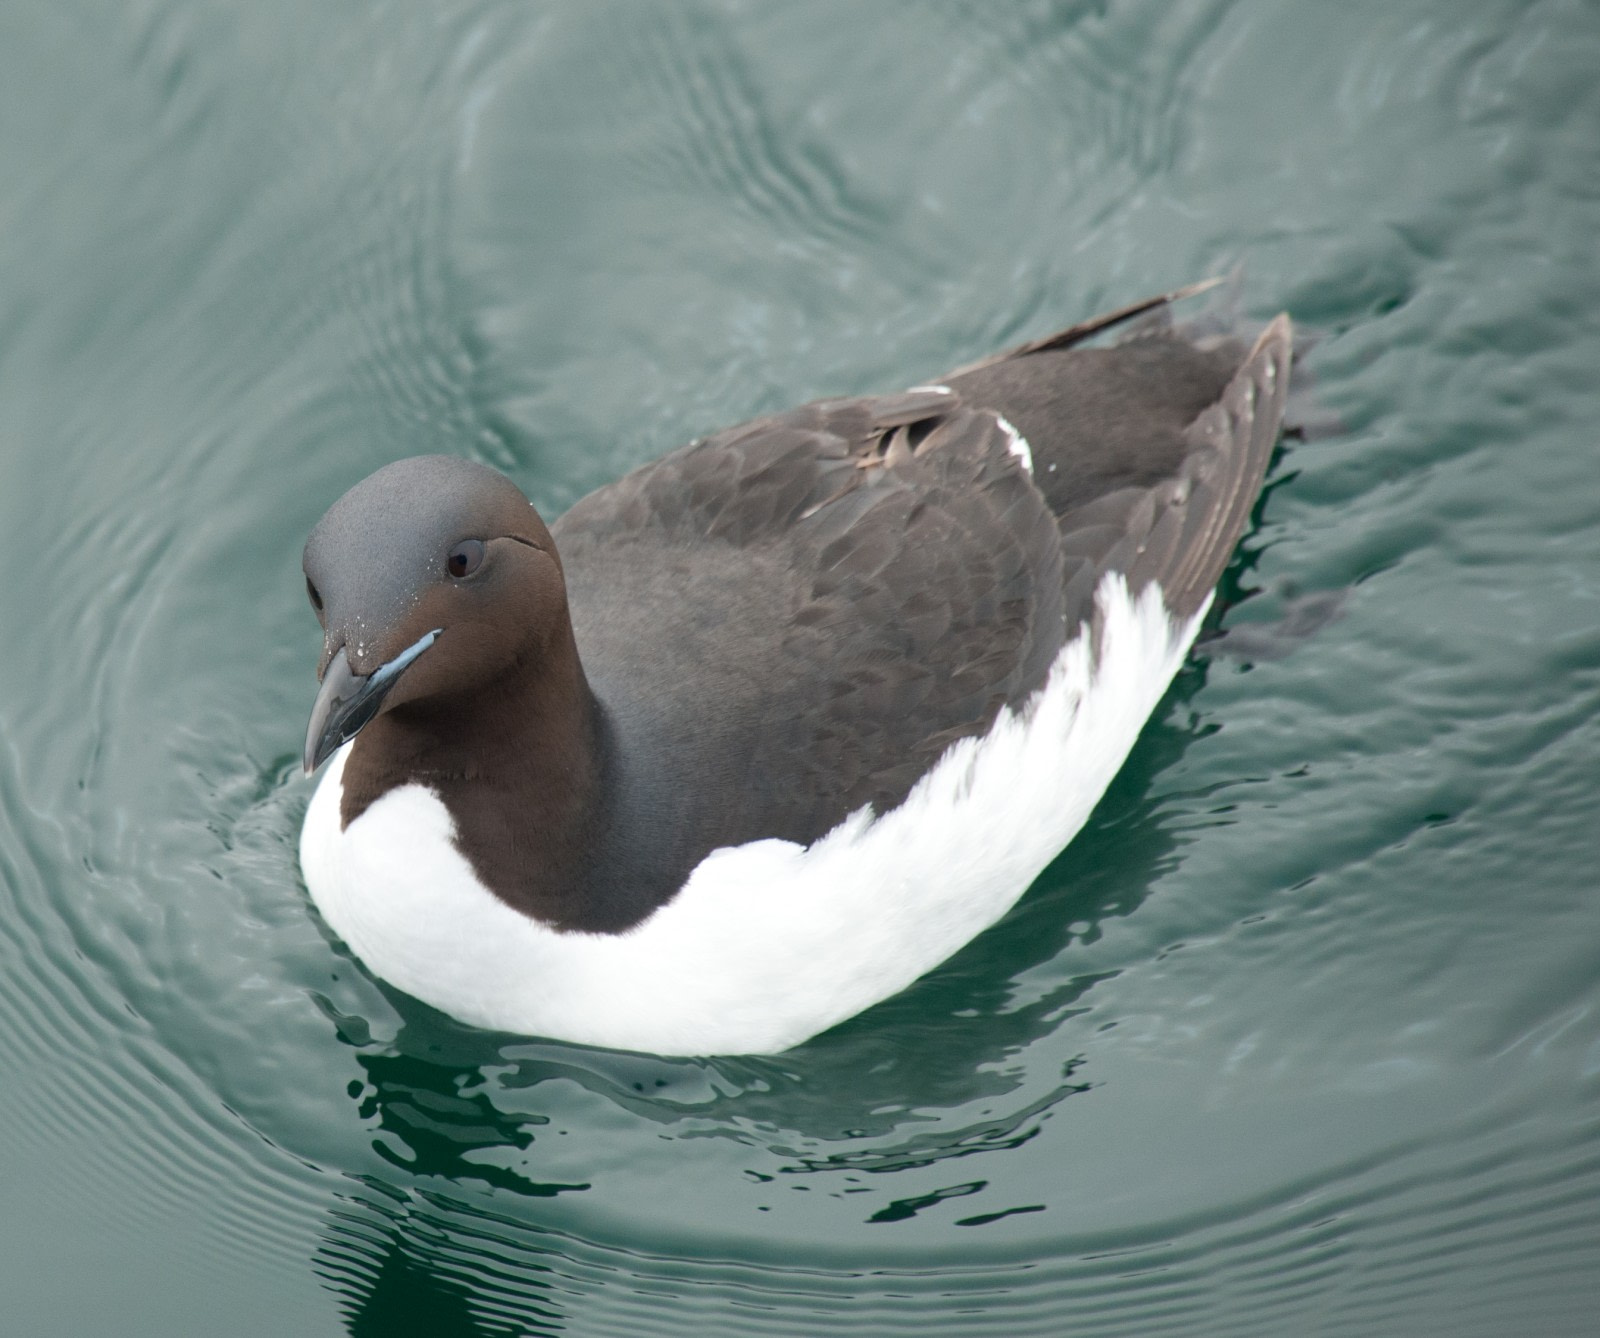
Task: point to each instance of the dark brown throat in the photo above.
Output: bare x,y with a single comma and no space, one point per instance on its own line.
522,766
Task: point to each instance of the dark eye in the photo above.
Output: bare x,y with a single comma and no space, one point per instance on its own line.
465,558
316,599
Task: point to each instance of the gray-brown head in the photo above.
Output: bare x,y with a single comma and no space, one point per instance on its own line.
431,578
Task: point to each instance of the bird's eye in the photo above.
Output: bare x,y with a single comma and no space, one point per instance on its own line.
465,558
316,599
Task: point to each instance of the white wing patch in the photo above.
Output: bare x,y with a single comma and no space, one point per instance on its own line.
1019,444
767,943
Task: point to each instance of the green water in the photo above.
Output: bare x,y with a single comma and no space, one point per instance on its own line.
1302,1035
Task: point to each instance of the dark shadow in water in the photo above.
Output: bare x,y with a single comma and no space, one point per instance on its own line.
431,1123
405,1267
406,1296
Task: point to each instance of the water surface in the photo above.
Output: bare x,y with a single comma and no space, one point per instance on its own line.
1302,1035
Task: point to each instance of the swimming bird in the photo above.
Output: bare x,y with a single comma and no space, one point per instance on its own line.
760,733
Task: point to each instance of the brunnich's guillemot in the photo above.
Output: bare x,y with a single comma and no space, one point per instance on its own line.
753,737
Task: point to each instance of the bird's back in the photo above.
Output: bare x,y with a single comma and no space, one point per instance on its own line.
796,617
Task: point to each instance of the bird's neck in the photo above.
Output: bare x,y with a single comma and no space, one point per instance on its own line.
524,766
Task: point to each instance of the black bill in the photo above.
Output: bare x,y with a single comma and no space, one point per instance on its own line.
346,701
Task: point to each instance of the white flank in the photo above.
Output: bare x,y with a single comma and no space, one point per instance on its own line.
767,943
1019,444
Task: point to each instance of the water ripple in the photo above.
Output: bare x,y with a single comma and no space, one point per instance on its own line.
1300,1036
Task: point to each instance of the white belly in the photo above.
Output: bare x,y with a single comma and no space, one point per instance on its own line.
767,943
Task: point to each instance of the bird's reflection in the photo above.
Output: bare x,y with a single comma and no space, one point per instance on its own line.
405,1267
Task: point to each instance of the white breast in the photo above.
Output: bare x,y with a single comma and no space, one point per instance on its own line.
767,943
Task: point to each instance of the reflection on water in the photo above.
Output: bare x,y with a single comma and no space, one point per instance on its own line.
435,1122
403,1267
1300,1035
